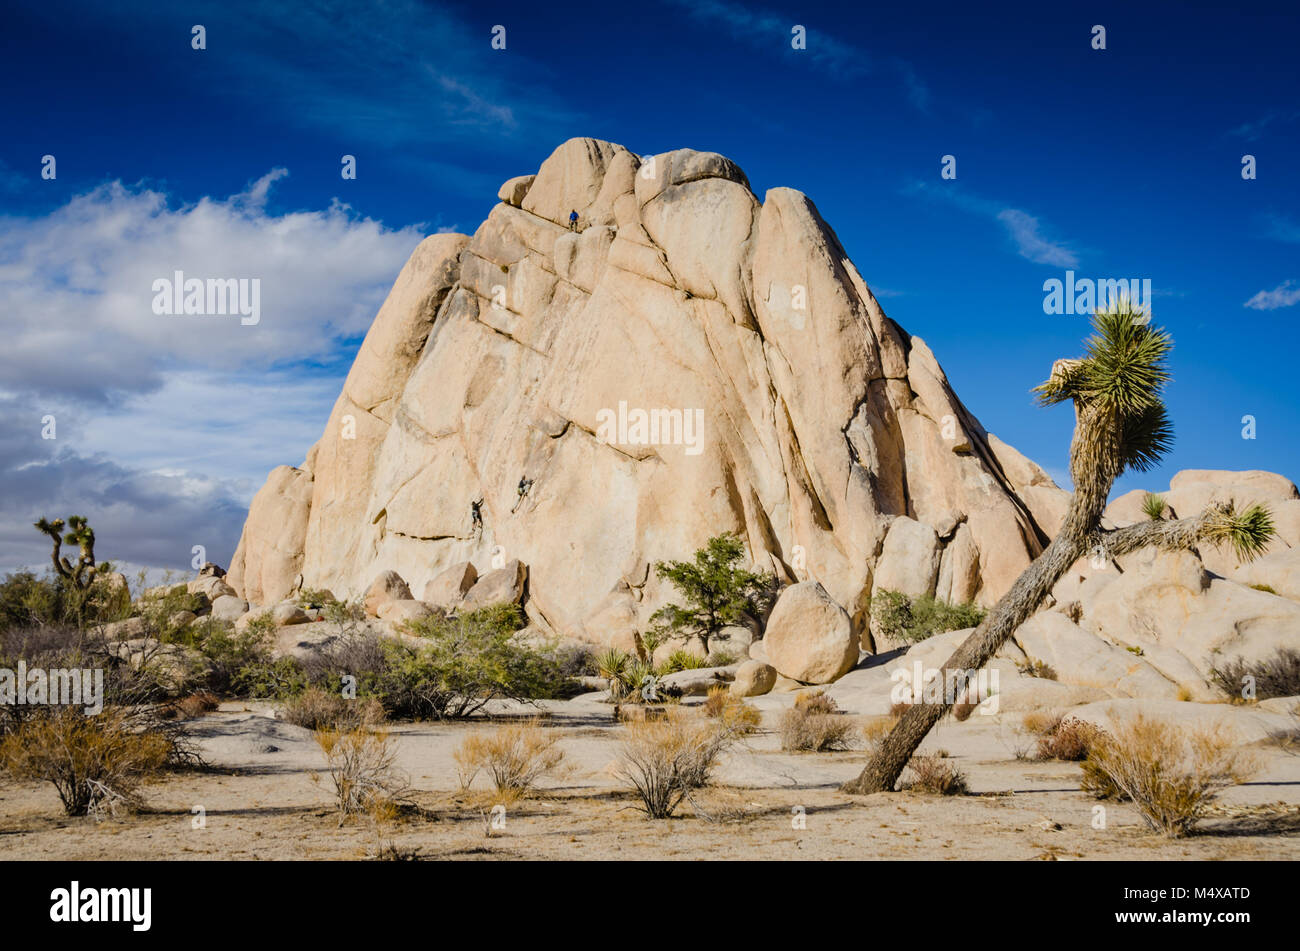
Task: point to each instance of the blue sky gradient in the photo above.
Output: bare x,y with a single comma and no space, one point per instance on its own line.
1123,162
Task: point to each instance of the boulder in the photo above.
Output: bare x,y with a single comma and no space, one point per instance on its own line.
910,560
211,586
698,682
288,613
515,189
389,586
449,586
182,619
810,638
503,586
132,627
753,679
229,607
400,612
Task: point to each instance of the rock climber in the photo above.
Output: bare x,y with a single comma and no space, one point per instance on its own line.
573,221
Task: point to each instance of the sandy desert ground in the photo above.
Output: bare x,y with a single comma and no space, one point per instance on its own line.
260,801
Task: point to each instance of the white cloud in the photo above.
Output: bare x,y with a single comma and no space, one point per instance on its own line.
1024,229
1284,295
166,426
76,286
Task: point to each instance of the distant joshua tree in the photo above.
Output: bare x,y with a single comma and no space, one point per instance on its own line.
81,575
1120,423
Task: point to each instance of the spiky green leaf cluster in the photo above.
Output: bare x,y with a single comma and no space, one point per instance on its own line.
1248,532
1122,378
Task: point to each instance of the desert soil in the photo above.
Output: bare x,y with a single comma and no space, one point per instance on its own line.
267,796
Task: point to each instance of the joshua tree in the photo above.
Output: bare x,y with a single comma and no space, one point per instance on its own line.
1120,423
82,575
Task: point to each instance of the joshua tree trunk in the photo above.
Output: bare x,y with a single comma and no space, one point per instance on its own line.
1109,435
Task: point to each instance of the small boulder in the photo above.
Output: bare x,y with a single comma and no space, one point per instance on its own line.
399,612
505,585
125,630
288,613
515,189
389,586
229,607
212,586
753,679
809,637
450,585
698,682
182,619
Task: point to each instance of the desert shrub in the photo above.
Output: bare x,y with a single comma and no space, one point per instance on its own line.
1275,676
905,618
1069,739
1266,588
28,599
720,658
664,759
363,769
815,725
1032,667
196,704
318,709
876,729
1039,722
96,763
159,615
935,774
236,658
316,598
575,660
681,659
732,713
1172,775
514,756
463,663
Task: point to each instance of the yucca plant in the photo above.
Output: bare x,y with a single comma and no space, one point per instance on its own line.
612,664
1153,506
1120,424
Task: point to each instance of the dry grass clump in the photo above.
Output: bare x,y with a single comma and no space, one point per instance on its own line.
664,759
1171,774
815,725
732,713
514,756
1068,738
935,774
96,763
319,709
876,729
363,770
195,705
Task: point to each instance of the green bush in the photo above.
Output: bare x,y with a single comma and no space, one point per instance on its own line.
905,618
681,659
465,662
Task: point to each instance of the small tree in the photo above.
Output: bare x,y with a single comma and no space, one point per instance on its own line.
1120,423
718,592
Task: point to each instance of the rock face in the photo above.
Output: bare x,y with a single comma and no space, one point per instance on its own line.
691,361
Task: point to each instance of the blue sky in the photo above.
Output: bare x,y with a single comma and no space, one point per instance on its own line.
1123,162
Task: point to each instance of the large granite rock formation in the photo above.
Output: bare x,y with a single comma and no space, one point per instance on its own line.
688,361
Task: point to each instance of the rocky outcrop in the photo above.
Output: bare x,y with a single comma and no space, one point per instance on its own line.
690,361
